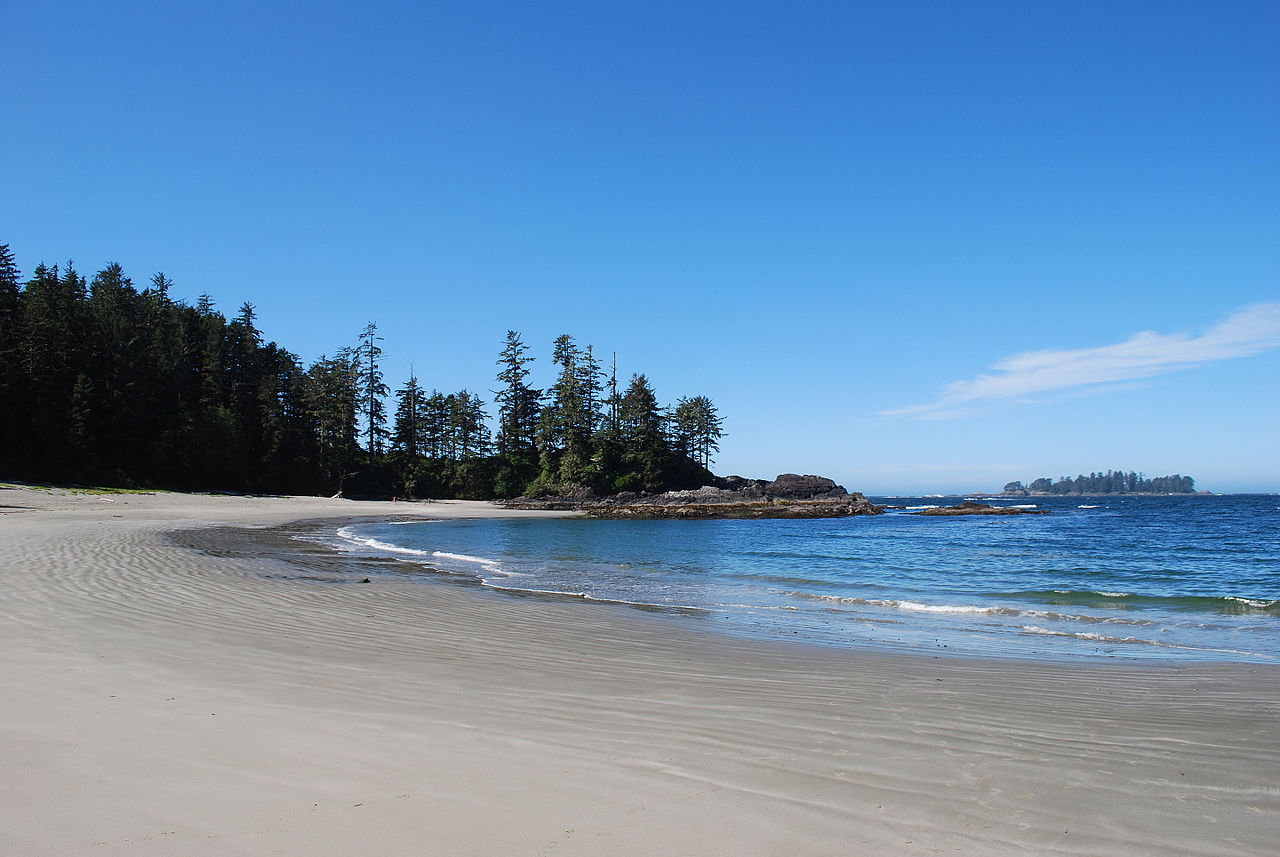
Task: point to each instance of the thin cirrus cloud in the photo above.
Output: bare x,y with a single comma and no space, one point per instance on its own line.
1252,330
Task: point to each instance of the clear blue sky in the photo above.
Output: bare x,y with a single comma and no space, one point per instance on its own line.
847,223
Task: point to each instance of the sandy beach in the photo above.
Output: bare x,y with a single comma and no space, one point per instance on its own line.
212,693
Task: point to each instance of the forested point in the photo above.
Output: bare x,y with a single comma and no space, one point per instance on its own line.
1111,482
103,383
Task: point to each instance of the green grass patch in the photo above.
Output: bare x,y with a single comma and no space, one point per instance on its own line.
81,489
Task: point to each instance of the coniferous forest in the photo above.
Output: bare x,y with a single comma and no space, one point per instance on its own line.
1111,482
103,382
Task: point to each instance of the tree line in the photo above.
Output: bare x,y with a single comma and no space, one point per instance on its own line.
102,382
1111,482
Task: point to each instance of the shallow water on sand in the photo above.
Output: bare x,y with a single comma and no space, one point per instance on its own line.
1179,578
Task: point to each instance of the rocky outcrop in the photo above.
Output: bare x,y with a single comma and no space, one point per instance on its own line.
788,496
850,504
971,508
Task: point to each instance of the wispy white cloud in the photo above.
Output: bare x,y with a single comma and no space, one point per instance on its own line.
1250,331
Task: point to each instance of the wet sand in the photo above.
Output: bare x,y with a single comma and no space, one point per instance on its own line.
217,692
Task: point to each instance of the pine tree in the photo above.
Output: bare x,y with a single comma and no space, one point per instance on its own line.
245,368
114,316
10,376
408,427
436,438
331,395
519,413
697,429
614,398
10,288
408,436
590,387
52,335
168,385
372,389
470,434
646,456
568,420
519,405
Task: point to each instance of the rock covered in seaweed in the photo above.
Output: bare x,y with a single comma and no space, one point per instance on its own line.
971,508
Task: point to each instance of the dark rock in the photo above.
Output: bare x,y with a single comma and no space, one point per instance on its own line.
737,483
788,496
790,486
971,508
843,507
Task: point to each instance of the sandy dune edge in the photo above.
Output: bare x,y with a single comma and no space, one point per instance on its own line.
159,700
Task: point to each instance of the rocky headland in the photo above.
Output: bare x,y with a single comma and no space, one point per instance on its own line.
789,496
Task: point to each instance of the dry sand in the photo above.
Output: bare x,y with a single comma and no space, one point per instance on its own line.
161,700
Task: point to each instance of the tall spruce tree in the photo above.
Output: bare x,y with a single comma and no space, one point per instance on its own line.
53,330
372,389
436,426
697,429
332,398
646,456
114,317
10,376
519,413
570,416
470,435
408,428
407,436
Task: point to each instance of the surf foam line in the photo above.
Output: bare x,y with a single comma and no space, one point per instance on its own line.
347,535
971,609
487,564
1229,604
462,557
597,599
1103,638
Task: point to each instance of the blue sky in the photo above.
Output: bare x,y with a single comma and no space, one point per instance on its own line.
913,246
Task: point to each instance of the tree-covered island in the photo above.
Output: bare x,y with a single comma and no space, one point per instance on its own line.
1111,482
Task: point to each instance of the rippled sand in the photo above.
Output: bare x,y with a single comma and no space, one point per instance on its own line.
210,694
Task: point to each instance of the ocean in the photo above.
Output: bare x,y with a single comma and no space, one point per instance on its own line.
1132,577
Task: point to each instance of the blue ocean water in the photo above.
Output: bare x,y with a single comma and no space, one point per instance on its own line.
1177,577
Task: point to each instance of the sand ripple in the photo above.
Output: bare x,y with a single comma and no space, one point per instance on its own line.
208,694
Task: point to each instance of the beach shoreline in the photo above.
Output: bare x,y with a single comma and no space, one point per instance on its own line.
174,690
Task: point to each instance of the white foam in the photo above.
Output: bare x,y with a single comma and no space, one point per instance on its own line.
1088,507
349,536
1025,506
462,557
1087,635
588,597
915,606
944,608
1103,638
1252,602
921,507
756,606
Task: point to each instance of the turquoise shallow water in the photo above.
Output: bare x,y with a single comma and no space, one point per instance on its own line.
1181,578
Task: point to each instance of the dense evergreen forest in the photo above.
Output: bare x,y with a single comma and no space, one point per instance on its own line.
1111,482
103,383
